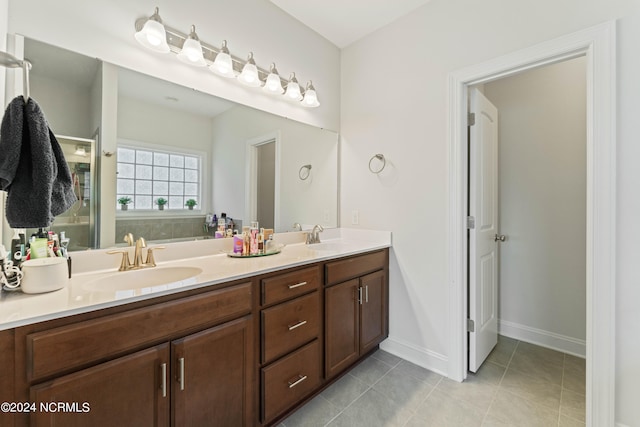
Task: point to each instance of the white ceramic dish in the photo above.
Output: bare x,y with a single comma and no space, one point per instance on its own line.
44,275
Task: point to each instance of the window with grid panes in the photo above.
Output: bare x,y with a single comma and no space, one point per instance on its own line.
146,174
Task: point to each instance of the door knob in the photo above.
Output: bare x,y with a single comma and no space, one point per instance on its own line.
499,238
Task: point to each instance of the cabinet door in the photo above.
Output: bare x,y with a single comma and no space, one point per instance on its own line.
373,311
211,373
341,323
123,392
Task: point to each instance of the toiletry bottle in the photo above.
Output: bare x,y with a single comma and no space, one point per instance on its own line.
238,244
261,241
254,241
15,248
247,243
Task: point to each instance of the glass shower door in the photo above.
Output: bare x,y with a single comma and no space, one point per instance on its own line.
78,222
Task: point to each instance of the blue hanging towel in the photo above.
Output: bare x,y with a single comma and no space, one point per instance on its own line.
33,170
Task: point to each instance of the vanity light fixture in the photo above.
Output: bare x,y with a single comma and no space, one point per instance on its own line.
273,84
310,98
223,65
293,89
154,35
249,75
191,52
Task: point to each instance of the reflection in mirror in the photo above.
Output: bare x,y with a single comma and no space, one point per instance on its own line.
224,156
67,86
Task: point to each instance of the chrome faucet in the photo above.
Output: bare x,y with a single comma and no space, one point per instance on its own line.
314,235
140,244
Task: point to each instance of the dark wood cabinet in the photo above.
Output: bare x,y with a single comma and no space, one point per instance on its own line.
290,379
291,343
127,391
342,343
210,372
356,310
244,353
201,379
373,310
199,372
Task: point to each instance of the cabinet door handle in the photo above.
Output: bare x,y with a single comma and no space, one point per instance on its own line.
366,293
181,373
360,295
163,381
297,285
300,379
297,325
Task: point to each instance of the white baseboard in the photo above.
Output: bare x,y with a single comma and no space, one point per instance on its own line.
420,356
563,343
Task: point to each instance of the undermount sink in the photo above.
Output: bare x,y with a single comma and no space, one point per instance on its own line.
145,278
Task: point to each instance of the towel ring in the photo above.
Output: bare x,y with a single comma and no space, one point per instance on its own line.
301,173
382,159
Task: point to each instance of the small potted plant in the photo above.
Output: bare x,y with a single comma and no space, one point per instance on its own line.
124,202
191,203
161,201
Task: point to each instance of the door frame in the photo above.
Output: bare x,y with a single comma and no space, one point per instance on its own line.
599,46
251,173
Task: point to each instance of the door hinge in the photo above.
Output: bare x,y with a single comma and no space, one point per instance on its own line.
471,222
471,325
471,119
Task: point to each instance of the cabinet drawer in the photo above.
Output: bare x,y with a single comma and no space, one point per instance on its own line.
341,271
67,347
289,325
290,379
287,286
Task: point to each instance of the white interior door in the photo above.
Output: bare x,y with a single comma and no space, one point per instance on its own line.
483,248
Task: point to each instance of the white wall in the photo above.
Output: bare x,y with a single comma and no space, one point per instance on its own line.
628,232
542,194
405,119
300,201
104,29
67,106
144,122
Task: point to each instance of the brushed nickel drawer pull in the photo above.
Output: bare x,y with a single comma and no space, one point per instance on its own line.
366,294
297,325
297,285
298,381
163,382
181,373
360,295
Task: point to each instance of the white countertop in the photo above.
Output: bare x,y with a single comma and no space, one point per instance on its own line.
81,294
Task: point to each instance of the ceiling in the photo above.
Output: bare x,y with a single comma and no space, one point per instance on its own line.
342,22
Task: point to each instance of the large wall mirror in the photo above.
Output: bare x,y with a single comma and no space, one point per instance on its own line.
176,144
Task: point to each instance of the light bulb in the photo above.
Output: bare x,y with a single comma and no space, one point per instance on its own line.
293,89
153,35
310,97
223,65
249,75
191,52
273,85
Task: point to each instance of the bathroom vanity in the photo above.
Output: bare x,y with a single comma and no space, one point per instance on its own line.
244,348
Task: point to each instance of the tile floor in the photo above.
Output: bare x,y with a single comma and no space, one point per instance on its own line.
520,384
